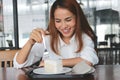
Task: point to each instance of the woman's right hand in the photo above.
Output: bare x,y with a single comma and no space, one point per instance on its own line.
36,35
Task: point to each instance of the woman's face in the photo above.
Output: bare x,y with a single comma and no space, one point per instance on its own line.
65,22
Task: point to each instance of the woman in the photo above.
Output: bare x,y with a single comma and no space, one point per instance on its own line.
70,38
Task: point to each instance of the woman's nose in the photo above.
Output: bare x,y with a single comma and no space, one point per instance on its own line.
63,24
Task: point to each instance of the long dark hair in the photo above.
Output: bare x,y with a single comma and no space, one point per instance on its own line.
82,24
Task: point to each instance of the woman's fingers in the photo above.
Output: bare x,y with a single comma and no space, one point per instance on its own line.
37,33
36,36
44,32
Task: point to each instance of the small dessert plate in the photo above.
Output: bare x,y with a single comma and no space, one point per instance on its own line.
82,68
92,70
42,71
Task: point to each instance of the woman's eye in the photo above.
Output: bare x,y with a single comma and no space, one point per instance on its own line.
68,20
57,21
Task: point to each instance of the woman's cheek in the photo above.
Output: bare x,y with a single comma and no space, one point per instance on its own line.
57,25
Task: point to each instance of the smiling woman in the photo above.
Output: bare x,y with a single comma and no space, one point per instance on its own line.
68,37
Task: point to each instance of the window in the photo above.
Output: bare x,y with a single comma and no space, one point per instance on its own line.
6,24
31,14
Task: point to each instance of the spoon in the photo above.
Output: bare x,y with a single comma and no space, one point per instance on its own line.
46,53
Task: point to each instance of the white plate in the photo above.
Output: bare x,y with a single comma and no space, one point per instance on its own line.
42,71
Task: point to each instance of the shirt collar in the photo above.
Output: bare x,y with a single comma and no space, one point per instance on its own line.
62,43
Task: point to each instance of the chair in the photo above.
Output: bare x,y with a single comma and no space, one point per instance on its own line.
102,44
6,58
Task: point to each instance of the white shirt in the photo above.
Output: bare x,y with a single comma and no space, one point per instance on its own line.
66,51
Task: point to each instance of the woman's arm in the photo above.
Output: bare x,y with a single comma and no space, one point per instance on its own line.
73,61
88,54
70,62
36,36
24,52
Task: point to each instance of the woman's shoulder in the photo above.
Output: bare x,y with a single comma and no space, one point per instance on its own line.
86,37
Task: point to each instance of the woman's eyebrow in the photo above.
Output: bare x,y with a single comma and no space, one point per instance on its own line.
69,17
57,19
65,18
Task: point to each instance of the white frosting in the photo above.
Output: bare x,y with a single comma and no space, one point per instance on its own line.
53,66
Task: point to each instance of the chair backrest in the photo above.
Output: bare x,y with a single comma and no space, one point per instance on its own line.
6,58
109,56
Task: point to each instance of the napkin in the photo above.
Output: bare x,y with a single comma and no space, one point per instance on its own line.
81,68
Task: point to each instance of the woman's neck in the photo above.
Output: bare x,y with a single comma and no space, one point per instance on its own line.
66,40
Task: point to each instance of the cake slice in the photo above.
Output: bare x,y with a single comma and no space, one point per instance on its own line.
53,66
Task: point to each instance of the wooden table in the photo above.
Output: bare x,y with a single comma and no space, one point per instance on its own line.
103,72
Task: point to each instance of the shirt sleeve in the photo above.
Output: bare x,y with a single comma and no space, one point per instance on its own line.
34,55
88,52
